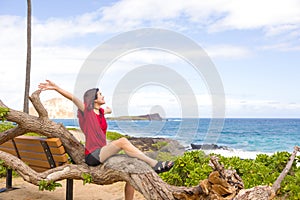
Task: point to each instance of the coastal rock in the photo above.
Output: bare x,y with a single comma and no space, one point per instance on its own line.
208,146
57,108
155,146
150,117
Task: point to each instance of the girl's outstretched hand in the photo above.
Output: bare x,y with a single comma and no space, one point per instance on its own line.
107,110
48,85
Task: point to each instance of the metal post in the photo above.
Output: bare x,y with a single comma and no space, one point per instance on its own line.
69,189
8,179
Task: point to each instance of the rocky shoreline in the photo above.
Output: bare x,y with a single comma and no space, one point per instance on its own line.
159,148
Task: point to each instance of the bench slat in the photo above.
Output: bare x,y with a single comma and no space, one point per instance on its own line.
8,144
58,150
42,156
39,163
39,169
36,139
9,150
32,152
54,142
30,147
39,148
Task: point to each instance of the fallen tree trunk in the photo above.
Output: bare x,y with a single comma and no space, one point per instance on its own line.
221,184
267,192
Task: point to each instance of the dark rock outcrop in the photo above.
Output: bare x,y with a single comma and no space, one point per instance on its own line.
207,146
150,117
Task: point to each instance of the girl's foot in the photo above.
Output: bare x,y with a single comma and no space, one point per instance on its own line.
163,166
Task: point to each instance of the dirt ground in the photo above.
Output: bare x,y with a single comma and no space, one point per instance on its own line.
27,191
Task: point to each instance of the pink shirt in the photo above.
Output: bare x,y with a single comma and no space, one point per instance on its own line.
94,127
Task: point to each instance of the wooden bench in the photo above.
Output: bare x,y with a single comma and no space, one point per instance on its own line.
40,154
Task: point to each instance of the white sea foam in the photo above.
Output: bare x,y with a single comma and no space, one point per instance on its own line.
236,153
239,153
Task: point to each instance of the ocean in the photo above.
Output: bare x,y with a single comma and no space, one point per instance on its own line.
242,137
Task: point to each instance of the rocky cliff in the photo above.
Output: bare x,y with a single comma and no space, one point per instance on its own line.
58,108
149,117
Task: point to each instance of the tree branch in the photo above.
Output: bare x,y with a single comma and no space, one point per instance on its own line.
36,102
42,125
285,171
11,133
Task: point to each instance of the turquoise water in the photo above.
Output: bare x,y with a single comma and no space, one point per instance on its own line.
249,135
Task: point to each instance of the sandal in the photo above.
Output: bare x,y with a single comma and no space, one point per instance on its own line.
163,166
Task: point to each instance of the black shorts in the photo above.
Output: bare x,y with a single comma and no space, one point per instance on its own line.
93,159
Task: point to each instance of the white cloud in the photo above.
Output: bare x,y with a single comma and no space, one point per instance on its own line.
228,51
252,14
281,29
53,62
284,46
274,17
261,108
13,30
58,30
142,10
224,14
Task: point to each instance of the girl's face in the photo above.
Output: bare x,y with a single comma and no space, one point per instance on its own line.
100,98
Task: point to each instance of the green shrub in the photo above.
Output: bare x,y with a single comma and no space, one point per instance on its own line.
34,134
114,135
50,186
160,144
87,178
188,169
193,167
5,126
162,156
3,112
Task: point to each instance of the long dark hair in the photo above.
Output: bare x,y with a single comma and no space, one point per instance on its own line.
89,98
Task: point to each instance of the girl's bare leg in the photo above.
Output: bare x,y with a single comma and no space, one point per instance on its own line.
129,191
123,144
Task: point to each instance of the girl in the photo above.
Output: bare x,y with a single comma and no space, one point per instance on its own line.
93,124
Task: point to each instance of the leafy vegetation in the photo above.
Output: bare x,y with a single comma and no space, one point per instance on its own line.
192,167
162,156
3,113
160,144
114,135
51,186
87,178
5,126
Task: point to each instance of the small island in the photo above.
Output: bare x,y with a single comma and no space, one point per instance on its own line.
150,117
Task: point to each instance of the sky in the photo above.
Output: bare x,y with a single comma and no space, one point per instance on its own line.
253,45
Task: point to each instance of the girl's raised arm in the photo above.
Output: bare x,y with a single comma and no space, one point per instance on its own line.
49,85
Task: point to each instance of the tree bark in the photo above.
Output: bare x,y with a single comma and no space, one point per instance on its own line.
221,183
28,60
